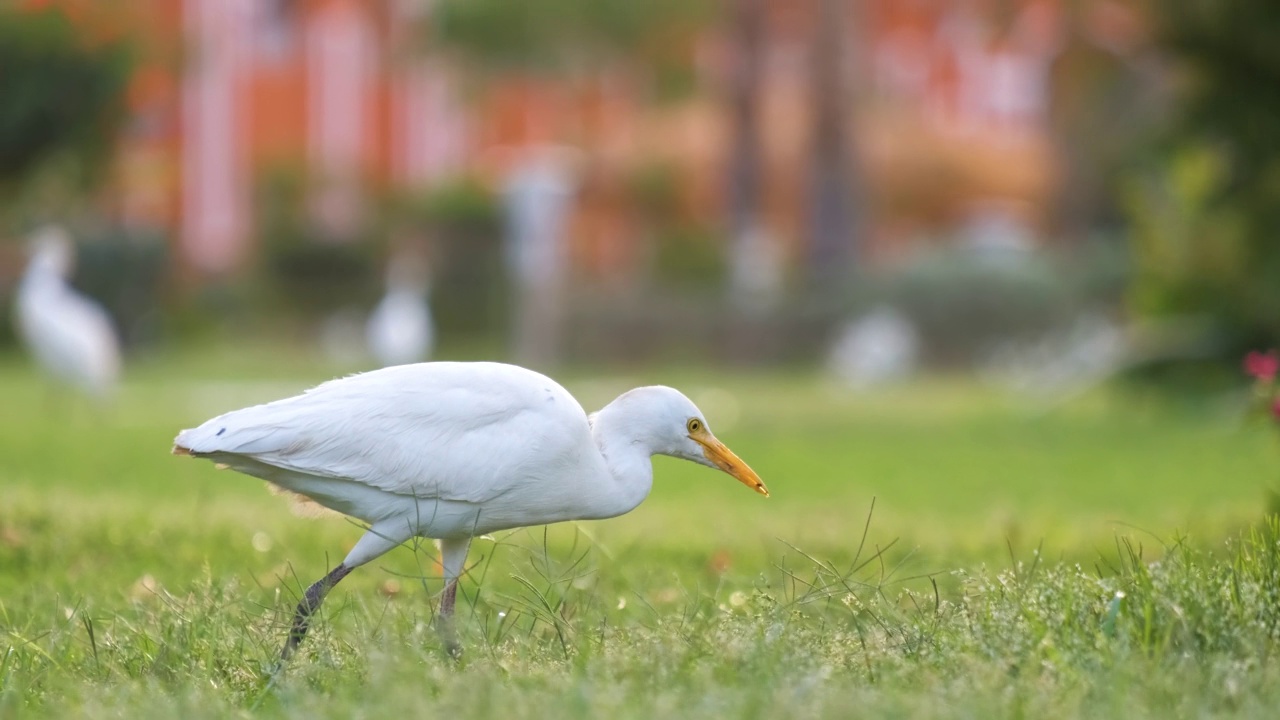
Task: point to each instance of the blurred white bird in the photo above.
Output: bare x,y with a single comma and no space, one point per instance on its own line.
400,330
454,450
878,347
70,335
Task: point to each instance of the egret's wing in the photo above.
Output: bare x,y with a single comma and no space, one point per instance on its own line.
93,338
70,334
454,431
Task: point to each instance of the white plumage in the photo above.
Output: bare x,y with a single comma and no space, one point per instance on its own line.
399,330
453,450
69,335
879,347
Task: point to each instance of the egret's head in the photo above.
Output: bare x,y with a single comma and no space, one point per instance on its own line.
51,251
672,425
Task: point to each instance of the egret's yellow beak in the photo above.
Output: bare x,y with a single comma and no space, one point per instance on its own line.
724,459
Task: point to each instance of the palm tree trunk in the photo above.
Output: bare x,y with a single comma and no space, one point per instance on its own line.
832,220
745,156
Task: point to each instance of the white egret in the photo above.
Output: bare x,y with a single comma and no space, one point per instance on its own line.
399,330
877,348
69,335
450,451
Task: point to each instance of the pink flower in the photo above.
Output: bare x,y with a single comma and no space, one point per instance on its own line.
1275,409
1262,365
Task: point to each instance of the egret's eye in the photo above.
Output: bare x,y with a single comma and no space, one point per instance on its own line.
694,425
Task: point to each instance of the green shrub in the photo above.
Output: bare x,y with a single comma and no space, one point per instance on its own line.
691,258
964,303
62,92
461,223
304,273
559,35
127,272
1207,213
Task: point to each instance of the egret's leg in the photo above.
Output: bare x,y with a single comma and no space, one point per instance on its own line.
449,598
378,540
453,559
310,602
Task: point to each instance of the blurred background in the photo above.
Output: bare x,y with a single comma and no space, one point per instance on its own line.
967,282
852,228
870,185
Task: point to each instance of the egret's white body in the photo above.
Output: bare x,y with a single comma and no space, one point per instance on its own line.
70,335
877,348
400,330
453,450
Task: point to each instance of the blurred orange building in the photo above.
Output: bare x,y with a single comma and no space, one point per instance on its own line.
948,115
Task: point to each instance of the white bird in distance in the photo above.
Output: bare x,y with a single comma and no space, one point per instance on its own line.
451,451
399,330
69,335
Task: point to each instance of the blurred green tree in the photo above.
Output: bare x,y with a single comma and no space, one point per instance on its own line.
303,270
836,205
62,93
559,36
1207,223
648,44
461,223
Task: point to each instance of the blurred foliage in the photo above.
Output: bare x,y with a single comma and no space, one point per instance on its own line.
966,302
655,189
126,271
691,257
566,35
688,255
1206,218
681,326
1102,109
461,223
305,272
963,302
62,92
462,204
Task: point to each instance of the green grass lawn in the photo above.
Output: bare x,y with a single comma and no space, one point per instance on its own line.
1099,558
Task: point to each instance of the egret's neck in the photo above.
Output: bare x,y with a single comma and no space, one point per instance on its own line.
413,292
39,281
626,456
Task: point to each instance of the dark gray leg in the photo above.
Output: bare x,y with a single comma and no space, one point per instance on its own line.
309,604
453,560
450,598
445,624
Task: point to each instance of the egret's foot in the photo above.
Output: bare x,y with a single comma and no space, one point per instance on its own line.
453,648
274,671
271,676
449,637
